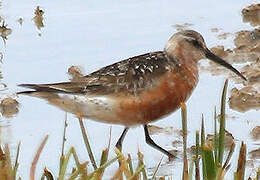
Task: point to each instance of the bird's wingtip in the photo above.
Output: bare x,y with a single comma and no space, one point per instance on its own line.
25,92
28,85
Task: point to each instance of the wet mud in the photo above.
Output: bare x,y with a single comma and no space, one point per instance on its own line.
255,133
251,14
255,154
245,56
20,21
9,107
5,31
165,130
76,73
38,19
181,27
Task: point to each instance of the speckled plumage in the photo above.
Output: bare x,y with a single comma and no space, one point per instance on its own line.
136,90
131,75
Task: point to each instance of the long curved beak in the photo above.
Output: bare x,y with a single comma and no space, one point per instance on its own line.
220,61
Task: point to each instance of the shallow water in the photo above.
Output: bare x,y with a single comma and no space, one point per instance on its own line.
95,34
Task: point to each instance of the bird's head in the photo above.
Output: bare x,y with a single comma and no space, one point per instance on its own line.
190,45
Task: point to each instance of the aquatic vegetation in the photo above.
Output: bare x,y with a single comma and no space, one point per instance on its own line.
211,154
209,160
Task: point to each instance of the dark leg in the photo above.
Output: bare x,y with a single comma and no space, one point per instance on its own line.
121,139
150,142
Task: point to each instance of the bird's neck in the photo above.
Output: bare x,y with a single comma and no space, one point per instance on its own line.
184,54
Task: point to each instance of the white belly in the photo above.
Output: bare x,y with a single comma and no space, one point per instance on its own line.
100,108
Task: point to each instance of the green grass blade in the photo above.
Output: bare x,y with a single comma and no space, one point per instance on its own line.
87,144
130,164
202,139
64,165
81,166
210,167
136,175
215,135
221,143
104,158
63,142
141,164
197,158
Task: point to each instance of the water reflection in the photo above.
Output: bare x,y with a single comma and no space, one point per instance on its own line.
38,18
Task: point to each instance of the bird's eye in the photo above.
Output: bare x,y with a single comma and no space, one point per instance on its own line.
195,43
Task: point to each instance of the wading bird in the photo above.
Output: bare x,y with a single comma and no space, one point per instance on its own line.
135,91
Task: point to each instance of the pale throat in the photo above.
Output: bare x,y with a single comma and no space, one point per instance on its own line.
183,52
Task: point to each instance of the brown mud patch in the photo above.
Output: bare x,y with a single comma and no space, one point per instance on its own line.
224,35
229,139
38,18
165,130
215,30
9,107
255,154
244,99
251,14
245,56
181,27
255,133
76,73
20,20
5,31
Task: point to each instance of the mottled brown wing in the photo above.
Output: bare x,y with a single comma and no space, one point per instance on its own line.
129,76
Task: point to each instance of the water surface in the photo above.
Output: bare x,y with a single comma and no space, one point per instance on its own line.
97,33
